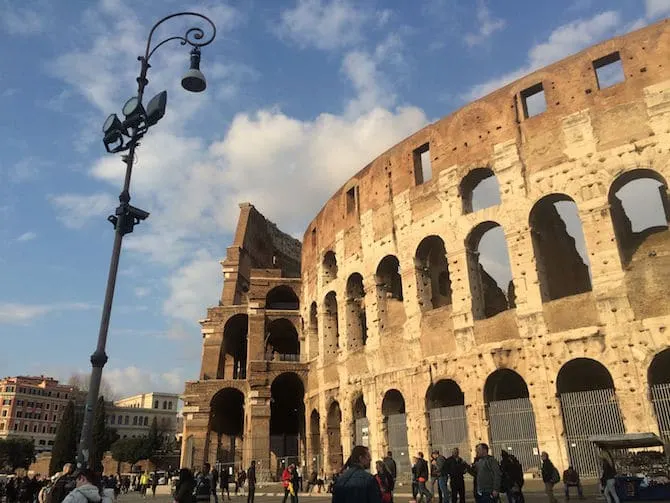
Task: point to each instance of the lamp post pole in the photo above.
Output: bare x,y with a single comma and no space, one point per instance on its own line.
126,216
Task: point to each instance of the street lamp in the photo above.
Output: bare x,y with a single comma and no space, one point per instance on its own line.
124,136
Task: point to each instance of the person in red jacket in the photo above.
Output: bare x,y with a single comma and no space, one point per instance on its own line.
286,480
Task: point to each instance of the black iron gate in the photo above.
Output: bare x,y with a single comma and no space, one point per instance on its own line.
398,443
587,413
660,397
449,429
512,429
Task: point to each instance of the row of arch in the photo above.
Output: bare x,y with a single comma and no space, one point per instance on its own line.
560,252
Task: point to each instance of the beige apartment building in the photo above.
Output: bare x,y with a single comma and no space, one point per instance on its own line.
132,416
32,407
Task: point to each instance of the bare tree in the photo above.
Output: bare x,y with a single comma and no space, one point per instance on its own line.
81,381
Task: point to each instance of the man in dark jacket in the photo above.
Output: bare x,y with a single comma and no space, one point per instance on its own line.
456,468
441,473
251,481
225,482
356,485
63,485
488,475
390,465
422,475
512,476
550,476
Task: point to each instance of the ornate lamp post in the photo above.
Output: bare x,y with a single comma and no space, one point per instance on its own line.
124,136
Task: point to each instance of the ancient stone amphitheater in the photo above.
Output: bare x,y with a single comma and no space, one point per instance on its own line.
386,327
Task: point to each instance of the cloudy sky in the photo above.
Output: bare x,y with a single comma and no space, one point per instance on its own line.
301,94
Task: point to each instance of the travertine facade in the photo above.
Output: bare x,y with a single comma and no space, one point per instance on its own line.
399,326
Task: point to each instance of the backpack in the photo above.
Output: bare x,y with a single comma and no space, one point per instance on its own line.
555,476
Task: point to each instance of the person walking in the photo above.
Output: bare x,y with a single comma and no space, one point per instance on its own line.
550,477
442,474
391,465
225,482
185,486
512,477
415,482
251,481
154,484
286,481
214,483
356,485
422,475
87,488
608,480
456,468
295,484
489,476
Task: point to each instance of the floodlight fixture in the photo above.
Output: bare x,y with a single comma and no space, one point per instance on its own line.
156,108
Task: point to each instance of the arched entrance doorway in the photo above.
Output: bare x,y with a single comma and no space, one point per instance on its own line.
315,440
233,364
287,420
226,423
511,418
659,386
445,404
395,428
361,423
589,407
334,423
283,343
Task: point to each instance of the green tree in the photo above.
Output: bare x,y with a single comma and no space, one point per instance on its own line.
153,440
65,444
130,450
16,453
100,436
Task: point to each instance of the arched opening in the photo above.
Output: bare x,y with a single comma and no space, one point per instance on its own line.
331,330
511,418
389,292
357,329
445,404
479,189
329,267
659,387
282,297
589,407
639,207
226,421
313,331
282,343
315,440
334,422
560,251
432,274
395,429
361,423
234,364
287,420
489,271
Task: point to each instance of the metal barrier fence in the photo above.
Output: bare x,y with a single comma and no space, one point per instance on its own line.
660,397
449,429
398,443
587,413
512,429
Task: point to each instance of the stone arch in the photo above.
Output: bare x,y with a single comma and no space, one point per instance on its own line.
313,330
361,424
315,439
479,189
447,421
432,273
633,226
510,416
329,266
488,297
562,268
283,343
389,292
282,297
287,418
589,407
331,331
395,428
357,327
334,428
235,342
226,421
658,377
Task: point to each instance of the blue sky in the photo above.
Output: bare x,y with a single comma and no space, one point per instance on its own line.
301,94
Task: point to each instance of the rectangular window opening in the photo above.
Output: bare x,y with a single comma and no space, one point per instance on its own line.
533,100
609,70
423,171
352,200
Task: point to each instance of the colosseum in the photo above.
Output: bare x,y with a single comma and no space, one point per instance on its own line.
389,325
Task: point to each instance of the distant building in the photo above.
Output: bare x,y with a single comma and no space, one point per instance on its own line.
32,407
131,417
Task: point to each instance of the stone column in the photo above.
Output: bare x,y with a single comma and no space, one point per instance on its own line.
257,433
475,413
549,427
256,336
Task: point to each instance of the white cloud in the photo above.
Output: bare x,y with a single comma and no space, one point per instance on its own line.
487,26
76,210
126,381
563,41
324,24
141,291
655,8
15,313
20,20
27,236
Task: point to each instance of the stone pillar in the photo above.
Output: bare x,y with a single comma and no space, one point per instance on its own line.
256,336
197,426
257,433
475,413
346,427
549,427
212,347
461,316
